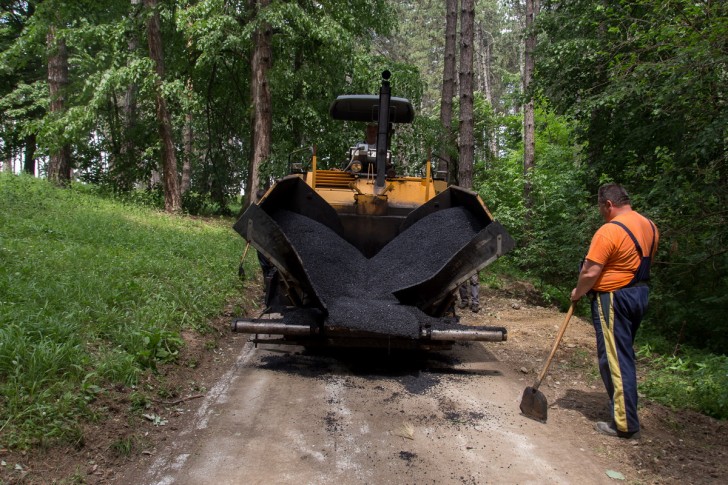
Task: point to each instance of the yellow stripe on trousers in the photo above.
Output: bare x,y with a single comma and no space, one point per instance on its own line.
620,411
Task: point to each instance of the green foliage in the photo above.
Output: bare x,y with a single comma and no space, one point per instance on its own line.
692,380
95,292
639,76
555,238
196,203
154,345
320,52
645,83
123,446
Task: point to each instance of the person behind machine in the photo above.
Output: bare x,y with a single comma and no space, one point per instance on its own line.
371,136
470,293
365,151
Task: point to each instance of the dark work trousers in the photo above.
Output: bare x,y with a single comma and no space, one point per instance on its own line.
616,317
471,286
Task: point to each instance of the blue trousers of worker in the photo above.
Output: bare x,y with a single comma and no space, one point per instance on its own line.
616,317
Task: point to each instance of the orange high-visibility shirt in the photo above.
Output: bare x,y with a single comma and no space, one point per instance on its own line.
612,247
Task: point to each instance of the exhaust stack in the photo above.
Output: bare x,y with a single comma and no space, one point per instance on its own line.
383,130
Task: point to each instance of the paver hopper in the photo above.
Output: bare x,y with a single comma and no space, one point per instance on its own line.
361,256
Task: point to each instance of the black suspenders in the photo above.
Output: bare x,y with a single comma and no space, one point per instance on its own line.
643,270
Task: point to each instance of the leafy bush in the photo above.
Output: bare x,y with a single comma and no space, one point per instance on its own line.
692,380
197,204
553,235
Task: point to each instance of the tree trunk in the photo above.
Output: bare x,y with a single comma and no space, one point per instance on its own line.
7,165
482,56
529,127
262,121
29,161
448,77
128,149
188,131
59,165
484,41
467,147
187,162
172,198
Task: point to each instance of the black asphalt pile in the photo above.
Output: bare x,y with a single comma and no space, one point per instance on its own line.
358,292
424,248
333,265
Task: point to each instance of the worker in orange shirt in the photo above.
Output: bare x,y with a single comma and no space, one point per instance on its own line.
614,275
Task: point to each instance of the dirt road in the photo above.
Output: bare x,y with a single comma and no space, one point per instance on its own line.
285,415
282,415
232,413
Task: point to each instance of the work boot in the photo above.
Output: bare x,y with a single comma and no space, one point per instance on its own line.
475,308
463,304
610,430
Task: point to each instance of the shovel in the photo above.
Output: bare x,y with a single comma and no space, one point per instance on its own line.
533,402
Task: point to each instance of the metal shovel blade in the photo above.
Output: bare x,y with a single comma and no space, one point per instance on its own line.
534,405
533,402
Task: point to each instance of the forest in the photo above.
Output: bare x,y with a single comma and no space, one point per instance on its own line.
191,105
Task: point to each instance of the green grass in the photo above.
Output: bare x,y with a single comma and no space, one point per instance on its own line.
693,379
95,292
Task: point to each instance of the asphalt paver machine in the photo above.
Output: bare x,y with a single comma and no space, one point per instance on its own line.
360,256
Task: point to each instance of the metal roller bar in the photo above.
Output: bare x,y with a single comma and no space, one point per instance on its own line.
494,334
491,335
272,328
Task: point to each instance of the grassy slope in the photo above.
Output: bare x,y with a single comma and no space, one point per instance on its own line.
94,292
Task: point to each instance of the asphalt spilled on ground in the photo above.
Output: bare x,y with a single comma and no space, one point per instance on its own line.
358,292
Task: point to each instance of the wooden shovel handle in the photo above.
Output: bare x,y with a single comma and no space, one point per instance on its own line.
556,346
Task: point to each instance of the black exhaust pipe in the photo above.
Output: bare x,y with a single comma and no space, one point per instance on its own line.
383,130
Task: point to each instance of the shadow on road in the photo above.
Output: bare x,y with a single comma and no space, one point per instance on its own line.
415,370
593,405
